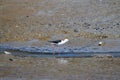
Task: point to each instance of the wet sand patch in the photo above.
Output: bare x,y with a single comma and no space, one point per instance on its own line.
61,68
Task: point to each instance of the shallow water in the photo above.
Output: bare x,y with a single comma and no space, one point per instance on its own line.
110,49
30,53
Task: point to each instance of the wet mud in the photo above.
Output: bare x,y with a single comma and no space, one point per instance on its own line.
28,68
28,25
83,22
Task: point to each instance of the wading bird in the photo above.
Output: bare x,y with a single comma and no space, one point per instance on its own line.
57,43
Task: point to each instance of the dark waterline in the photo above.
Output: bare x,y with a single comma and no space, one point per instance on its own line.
33,52
62,55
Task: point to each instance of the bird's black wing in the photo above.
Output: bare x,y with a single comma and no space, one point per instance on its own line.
56,41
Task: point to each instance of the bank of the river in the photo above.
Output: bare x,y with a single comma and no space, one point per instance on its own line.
28,68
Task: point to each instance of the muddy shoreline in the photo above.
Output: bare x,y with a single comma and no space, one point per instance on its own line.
28,25
25,68
84,22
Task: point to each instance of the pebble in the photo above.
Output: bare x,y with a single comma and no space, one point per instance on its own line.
50,24
62,61
97,28
27,16
117,24
16,26
11,59
75,30
100,43
86,25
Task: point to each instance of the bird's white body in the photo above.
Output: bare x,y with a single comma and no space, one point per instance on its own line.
58,43
6,52
63,42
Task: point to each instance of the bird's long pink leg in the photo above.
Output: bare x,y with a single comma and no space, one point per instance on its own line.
58,48
54,48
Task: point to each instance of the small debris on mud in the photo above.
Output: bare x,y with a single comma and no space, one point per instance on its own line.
86,25
62,61
6,52
75,30
100,43
10,59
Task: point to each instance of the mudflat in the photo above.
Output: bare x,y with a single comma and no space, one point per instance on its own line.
28,68
84,22
29,24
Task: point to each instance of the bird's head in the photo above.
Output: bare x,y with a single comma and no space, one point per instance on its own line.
66,40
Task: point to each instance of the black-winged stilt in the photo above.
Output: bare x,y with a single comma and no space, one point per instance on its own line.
59,42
